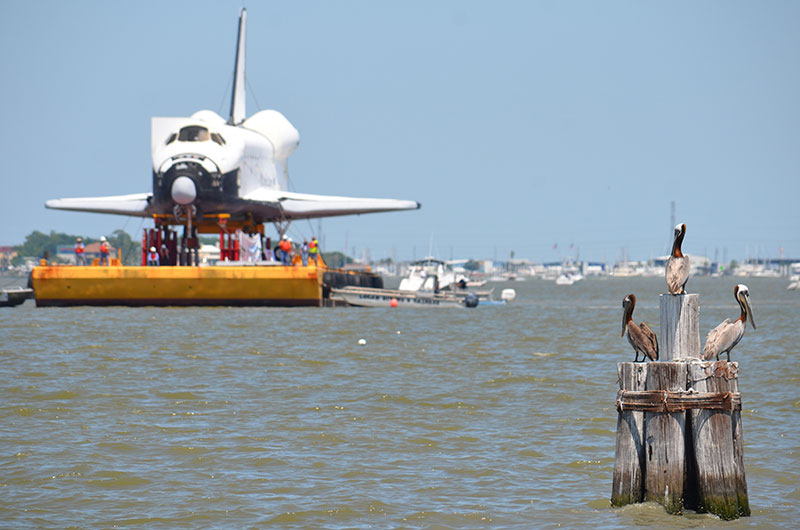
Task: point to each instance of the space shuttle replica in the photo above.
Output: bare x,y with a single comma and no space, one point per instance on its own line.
208,170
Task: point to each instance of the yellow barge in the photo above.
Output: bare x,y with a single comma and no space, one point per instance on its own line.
233,285
181,281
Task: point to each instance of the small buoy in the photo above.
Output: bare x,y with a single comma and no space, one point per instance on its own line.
361,342
508,295
398,331
393,302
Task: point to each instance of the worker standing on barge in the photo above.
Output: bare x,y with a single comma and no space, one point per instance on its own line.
268,254
152,258
290,253
103,251
304,252
163,254
80,257
286,250
313,249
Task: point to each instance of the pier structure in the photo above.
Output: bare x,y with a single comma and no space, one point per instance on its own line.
679,427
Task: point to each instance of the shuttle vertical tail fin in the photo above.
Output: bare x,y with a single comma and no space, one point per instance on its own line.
238,95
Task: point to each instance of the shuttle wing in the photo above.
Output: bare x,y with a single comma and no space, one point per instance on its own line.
135,204
272,205
306,206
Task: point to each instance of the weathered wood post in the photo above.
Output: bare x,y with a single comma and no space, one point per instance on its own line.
738,448
629,463
721,484
665,460
679,336
665,455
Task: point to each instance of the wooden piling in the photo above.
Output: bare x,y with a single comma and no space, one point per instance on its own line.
679,428
664,435
629,462
679,327
722,489
738,451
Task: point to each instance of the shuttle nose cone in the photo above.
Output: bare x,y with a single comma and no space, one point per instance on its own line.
183,191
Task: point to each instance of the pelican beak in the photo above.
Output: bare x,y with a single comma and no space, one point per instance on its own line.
746,301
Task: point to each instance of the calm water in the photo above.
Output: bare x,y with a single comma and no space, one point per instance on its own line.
276,418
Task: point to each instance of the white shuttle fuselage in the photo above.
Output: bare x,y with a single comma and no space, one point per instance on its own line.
220,168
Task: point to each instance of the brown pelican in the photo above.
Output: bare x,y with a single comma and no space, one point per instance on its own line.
677,270
724,337
641,337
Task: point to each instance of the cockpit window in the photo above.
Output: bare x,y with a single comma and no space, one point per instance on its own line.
171,138
193,133
217,138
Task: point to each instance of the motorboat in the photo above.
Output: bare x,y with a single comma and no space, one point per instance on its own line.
568,278
429,283
374,297
506,277
13,296
371,297
565,279
431,274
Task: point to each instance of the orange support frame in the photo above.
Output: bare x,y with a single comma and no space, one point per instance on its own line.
210,224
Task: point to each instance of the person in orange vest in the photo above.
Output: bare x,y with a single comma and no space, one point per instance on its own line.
313,249
290,254
80,258
152,258
286,249
103,251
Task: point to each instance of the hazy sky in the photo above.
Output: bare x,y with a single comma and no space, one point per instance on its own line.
518,125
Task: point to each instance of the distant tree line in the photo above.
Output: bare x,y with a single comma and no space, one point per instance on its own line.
37,243
336,259
472,265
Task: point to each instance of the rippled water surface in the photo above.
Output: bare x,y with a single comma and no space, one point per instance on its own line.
495,417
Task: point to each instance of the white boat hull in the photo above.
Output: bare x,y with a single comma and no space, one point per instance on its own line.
368,297
372,297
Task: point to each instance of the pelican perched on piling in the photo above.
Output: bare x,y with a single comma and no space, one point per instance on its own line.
641,337
677,269
727,335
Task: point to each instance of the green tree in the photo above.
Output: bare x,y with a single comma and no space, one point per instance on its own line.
337,259
472,265
131,251
37,243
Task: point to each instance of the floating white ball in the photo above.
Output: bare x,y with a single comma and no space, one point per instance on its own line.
361,342
508,295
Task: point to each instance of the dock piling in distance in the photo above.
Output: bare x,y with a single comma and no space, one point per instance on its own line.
663,454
